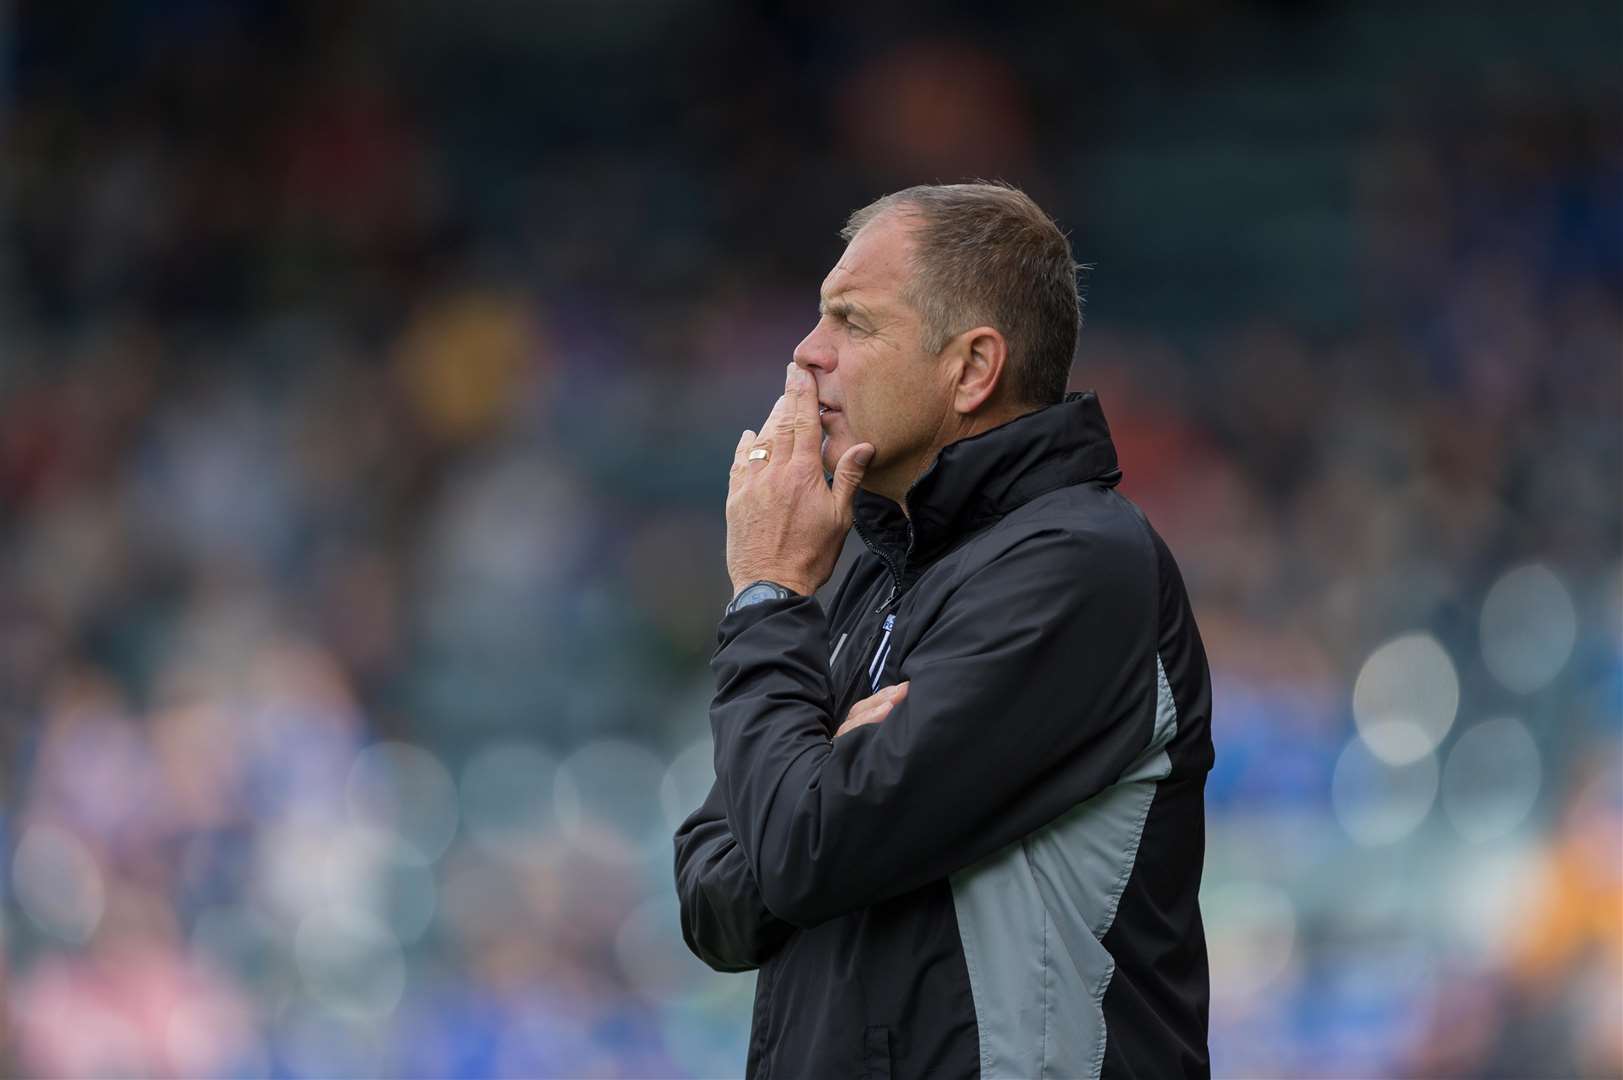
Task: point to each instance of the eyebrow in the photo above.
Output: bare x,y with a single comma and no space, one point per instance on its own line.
842,308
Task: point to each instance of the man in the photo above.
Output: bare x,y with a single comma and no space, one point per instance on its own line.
958,820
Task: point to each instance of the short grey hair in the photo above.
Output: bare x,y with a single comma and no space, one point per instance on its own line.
986,254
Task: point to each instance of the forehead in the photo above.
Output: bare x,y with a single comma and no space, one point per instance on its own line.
875,262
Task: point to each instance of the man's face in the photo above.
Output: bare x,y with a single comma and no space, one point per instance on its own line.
876,381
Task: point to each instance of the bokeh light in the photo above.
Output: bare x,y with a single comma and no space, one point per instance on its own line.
1405,698
1378,802
58,883
1528,627
403,790
613,785
687,782
305,866
1491,779
350,963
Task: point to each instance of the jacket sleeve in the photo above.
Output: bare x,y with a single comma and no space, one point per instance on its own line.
724,921
1032,690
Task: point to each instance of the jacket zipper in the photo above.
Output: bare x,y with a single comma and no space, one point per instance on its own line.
895,571
877,667
889,602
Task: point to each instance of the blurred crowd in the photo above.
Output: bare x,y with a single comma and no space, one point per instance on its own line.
368,378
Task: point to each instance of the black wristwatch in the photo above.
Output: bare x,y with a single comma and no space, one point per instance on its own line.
758,592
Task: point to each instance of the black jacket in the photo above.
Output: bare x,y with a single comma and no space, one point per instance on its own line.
1001,877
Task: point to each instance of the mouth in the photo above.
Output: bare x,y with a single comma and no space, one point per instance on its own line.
824,409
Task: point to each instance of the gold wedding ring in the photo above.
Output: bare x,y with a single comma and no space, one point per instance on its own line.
759,453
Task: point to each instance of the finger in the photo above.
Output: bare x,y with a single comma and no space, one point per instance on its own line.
888,694
862,710
871,716
804,427
740,466
848,477
859,712
775,422
873,709
744,442
783,436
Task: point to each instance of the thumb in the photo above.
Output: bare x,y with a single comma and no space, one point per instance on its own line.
848,475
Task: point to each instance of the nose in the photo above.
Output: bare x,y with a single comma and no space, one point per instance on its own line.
814,353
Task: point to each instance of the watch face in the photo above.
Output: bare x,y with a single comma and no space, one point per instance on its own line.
755,594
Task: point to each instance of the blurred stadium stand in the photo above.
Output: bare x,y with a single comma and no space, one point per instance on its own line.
367,378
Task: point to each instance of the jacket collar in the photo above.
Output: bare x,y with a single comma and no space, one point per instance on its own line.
975,481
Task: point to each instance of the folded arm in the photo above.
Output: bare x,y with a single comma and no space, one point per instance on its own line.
1027,697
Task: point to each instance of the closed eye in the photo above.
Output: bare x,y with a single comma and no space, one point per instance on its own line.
841,313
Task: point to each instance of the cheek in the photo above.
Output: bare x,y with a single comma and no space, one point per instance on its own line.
852,427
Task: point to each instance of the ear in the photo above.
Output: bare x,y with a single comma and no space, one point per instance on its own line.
984,355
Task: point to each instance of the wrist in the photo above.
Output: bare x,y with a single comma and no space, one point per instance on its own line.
794,585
